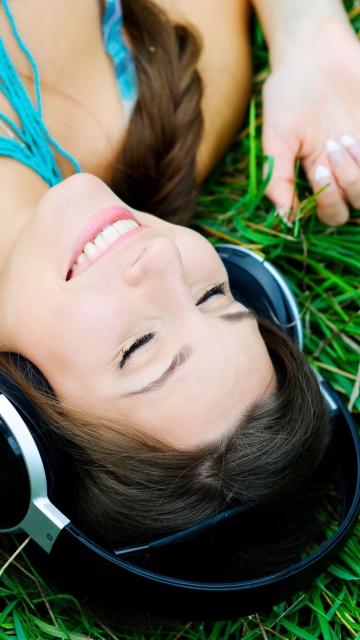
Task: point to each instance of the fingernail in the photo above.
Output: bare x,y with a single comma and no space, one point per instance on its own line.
348,140
279,211
284,215
322,176
352,145
336,154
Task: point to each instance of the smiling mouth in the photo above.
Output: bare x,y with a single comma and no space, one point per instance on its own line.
100,243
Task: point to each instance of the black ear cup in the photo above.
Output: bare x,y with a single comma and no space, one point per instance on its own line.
33,459
257,285
14,481
51,445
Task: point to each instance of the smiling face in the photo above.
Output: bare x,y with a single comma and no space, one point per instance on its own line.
144,329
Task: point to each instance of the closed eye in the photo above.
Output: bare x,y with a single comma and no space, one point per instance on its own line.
218,289
135,345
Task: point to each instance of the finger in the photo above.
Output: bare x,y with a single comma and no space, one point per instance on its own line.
331,207
281,186
352,146
346,170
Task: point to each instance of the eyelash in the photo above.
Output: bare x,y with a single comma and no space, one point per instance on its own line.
135,345
213,291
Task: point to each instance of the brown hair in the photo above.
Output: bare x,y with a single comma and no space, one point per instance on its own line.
155,169
124,486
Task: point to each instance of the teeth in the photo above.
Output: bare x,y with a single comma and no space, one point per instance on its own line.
124,223
110,234
81,258
107,236
123,226
90,250
100,242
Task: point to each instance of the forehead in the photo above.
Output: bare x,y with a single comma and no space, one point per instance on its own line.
228,369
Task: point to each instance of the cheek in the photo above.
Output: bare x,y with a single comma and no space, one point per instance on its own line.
202,263
196,251
74,334
95,324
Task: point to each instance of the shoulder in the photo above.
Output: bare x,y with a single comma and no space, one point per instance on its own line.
224,66
221,26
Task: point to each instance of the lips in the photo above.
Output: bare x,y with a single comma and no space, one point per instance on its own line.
106,228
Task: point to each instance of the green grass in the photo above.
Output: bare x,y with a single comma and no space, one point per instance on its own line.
323,267
321,263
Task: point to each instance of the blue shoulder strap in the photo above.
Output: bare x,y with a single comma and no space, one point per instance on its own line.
112,32
31,144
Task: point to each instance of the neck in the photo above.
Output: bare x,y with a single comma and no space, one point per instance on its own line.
21,189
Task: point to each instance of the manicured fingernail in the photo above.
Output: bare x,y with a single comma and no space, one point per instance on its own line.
348,140
284,215
279,211
352,145
336,154
322,176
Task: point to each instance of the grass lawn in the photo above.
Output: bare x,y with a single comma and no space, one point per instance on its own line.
323,267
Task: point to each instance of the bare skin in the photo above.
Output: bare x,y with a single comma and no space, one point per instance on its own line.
204,361
84,114
225,67
311,100
81,105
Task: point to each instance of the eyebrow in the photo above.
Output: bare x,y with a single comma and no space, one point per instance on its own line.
237,316
185,352
180,357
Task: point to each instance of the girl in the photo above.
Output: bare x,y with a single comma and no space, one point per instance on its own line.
175,398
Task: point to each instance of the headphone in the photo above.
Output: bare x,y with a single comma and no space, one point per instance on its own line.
31,461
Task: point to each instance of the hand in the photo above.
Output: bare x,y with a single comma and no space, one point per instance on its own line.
311,96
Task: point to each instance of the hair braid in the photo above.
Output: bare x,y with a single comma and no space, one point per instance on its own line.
155,170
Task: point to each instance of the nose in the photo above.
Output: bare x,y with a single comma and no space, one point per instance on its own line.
160,260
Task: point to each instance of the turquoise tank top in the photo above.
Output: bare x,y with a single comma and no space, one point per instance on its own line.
31,143
112,30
